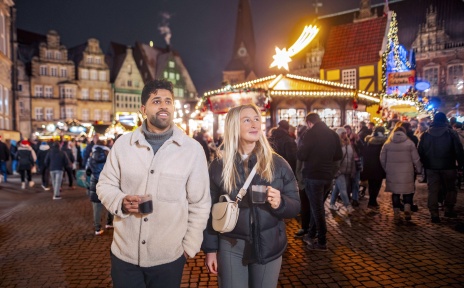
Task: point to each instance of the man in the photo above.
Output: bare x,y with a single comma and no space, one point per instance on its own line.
158,159
319,149
284,144
4,157
439,150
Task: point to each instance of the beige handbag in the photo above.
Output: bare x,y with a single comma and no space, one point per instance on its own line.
225,212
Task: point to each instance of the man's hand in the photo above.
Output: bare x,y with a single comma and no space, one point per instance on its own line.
130,204
211,262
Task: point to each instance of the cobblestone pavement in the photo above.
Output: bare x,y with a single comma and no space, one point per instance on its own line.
46,243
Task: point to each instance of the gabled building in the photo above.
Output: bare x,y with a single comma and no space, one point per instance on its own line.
6,115
95,95
127,84
52,83
241,65
157,63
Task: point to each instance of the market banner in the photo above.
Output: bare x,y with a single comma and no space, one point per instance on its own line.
221,103
406,78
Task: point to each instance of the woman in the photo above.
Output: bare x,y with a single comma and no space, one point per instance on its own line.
345,174
96,162
251,254
373,170
26,159
399,157
69,168
56,161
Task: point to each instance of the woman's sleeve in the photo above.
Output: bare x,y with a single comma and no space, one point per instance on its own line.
210,236
290,199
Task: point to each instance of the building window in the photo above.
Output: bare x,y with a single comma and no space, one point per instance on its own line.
49,54
69,112
67,92
106,95
177,76
89,59
165,74
106,115
331,117
20,87
85,94
62,113
455,74
63,72
349,77
38,91
58,55
54,71
172,64
22,110
102,75
97,60
49,114
293,116
85,74
1,99
43,70
85,114
129,83
48,91
431,75
93,74
96,115
96,94
6,98
39,113
3,47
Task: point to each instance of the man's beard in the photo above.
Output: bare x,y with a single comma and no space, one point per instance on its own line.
160,123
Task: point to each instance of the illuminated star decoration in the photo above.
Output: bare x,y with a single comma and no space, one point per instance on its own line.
283,56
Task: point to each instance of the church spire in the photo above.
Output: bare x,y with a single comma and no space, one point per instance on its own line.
243,53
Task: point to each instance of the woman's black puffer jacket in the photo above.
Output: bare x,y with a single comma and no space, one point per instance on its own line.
259,224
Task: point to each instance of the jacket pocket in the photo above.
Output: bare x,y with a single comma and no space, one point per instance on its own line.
171,188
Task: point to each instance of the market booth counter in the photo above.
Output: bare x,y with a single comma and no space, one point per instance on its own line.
287,97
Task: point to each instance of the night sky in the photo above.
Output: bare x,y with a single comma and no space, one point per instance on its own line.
202,30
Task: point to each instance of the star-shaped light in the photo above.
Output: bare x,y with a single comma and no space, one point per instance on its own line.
281,58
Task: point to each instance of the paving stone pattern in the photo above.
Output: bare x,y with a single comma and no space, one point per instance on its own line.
46,243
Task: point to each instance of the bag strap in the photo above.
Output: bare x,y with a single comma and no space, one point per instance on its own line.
243,191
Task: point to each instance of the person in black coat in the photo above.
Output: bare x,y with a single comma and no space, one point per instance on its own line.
56,160
69,168
26,159
96,162
373,171
4,157
251,254
41,155
283,144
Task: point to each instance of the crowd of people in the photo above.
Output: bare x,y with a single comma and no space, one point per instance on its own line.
159,185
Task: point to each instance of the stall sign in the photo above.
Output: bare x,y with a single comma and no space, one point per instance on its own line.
221,103
406,78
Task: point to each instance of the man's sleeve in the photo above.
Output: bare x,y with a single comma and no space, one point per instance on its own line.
199,203
291,151
305,148
338,147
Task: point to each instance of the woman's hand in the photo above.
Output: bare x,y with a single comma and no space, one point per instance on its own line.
130,204
273,197
211,262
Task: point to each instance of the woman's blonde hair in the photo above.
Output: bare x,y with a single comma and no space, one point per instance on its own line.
396,129
231,145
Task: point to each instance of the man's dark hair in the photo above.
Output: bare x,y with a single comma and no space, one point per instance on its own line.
313,117
153,87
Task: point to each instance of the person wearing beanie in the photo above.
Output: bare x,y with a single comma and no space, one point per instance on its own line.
439,150
26,159
283,144
373,170
344,174
41,155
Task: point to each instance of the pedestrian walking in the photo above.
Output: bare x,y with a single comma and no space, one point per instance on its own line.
399,159
69,168
96,162
320,149
4,157
373,170
44,172
283,144
56,161
358,146
26,160
251,254
440,150
157,160
305,211
344,174
14,161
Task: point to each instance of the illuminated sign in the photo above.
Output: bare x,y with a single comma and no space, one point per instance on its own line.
406,78
283,56
221,103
